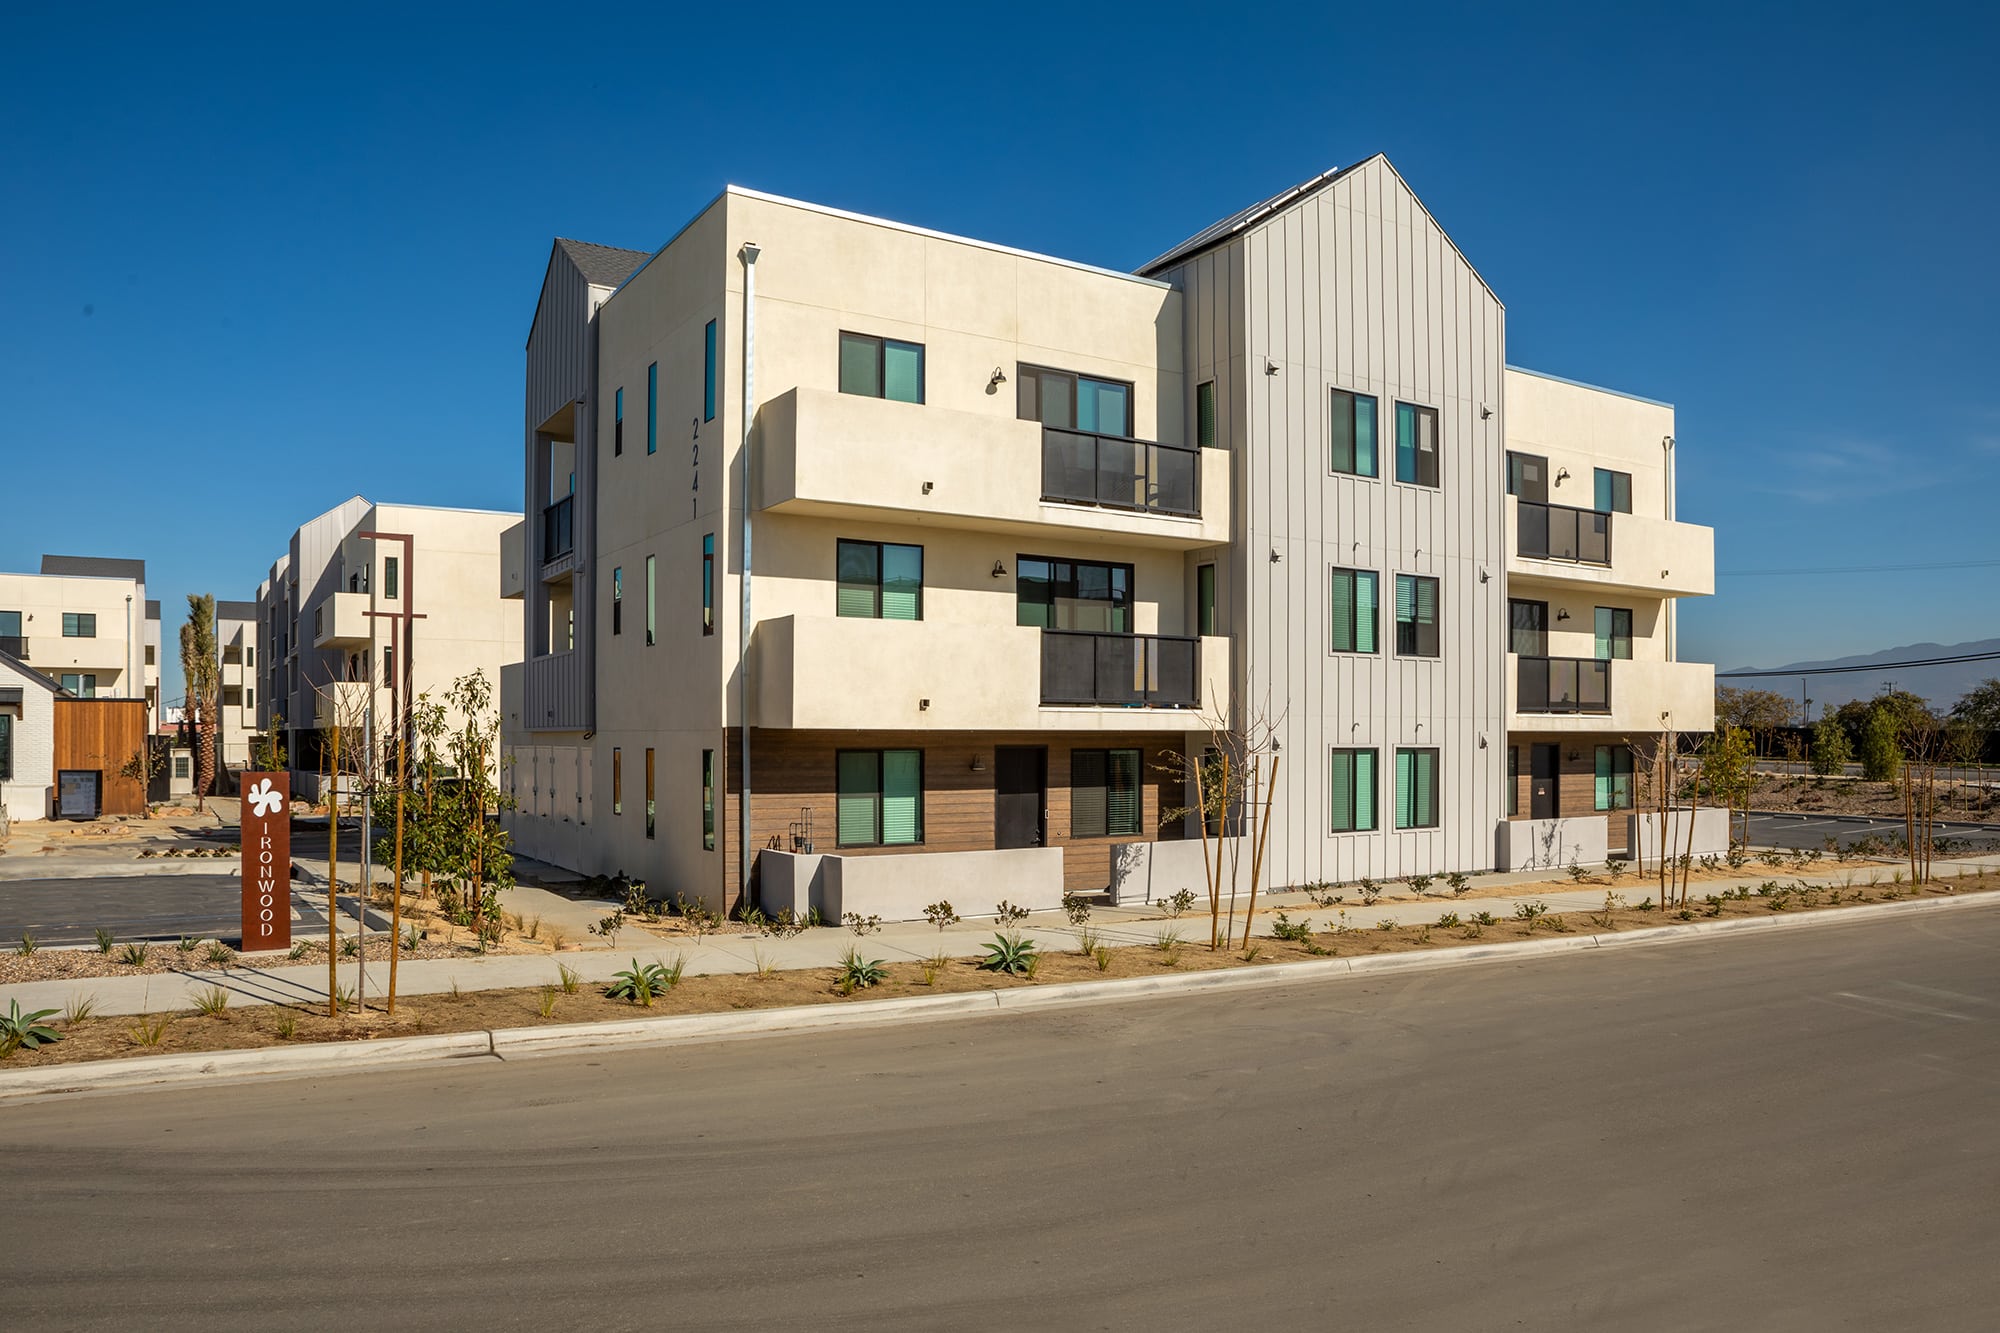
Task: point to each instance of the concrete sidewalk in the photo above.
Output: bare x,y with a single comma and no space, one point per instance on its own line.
823,947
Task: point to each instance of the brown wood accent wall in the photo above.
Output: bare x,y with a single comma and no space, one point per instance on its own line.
1576,782
795,769
101,735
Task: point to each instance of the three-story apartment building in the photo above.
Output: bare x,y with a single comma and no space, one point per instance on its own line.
1017,532
85,623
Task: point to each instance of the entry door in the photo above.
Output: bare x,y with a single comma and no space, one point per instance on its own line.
1020,795
1544,799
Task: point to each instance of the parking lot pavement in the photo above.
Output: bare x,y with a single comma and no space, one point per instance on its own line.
1778,829
58,911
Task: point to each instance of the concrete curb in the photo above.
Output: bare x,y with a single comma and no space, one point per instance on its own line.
574,1038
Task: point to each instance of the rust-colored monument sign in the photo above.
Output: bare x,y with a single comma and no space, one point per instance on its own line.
267,861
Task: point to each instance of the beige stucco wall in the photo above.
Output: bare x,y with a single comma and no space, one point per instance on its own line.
113,656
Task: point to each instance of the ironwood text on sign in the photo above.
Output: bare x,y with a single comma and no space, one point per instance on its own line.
267,861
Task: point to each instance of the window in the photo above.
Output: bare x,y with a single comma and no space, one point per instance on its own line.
250,655
180,766
79,625
1528,476
83,685
392,572
652,602
10,624
649,791
1614,777
1416,444
1513,780
618,423
389,664
707,584
1528,628
708,781
879,797
1416,788
249,698
618,599
653,408
1073,594
1073,402
1354,434
1104,793
6,748
1416,616
708,372
1354,610
1204,414
1614,633
1353,787
617,780
879,581
881,368
1614,491
1204,596
151,658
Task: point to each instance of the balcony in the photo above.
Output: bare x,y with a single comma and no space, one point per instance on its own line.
342,621
513,560
843,455
14,646
342,703
1563,547
836,673
1558,694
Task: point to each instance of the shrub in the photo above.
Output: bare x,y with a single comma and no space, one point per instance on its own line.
187,944
1370,890
1008,913
702,921
863,925
104,940
1076,907
1009,953
568,979
1530,912
19,1031
1101,955
1459,882
640,983
1322,894
940,914
79,1008
149,1031
1614,867
546,1005
1179,903
1284,928
1576,872
1482,918
211,1003
220,954
28,945
1421,884
1448,921
135,954
299,948
857,973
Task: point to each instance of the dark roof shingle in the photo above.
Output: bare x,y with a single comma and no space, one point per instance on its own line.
603,265
94,566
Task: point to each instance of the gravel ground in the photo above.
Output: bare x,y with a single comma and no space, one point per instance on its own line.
64,964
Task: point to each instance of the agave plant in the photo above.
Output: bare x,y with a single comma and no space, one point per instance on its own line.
1009,953
858,973
18,1029
640,983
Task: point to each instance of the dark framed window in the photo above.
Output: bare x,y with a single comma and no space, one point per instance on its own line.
1072,594
1513,780
707,583
708,372
653,408
708,794
392,577
1613,491
1613,633
1353,448
1073,402
10,624
79,624
1614,778
1204,414
1354,610
1204,599
6,747
879,580
151,655
881,368
1353,785
1104,794
652,601
650,808
618,599
82,684
1416,444
1528,476
1416,789
1527,627
617,780
1416,616
879,798
618,423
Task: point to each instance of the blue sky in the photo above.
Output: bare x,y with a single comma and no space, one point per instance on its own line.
258,259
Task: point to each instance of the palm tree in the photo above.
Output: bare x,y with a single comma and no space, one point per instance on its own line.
203,674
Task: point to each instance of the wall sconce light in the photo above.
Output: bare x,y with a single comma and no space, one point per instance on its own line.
1275,557
923,705
1485,412
1574,756
1482,740
979,763
1562,475
1665,572
1562,615
927,487
999,378
999,570
1484,577
1275,745
1270,366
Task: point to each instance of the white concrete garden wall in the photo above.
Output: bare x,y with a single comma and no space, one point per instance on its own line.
897,887
1151,872
1550,844
1711,833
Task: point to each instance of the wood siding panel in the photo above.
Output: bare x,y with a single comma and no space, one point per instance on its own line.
101,735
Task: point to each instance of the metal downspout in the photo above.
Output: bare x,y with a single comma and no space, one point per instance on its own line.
749,255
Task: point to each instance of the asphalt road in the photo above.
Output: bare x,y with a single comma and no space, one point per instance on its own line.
1792,1131
132,907
1810,831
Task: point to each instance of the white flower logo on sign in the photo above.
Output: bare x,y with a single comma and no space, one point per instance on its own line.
264,801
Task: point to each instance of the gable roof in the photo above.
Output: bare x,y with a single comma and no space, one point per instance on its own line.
94,566
602,265
1241,221
26,672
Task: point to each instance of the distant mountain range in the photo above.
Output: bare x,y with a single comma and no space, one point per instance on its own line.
1941,685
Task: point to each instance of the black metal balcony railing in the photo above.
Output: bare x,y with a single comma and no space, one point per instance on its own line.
1120,670
1117,473
1558,532
1562,685
14,646
558,528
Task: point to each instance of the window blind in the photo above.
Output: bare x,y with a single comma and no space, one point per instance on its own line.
902,796
858,797
1204,412
902,582
1087,802
1365,612
1121,798
1343,611
860,589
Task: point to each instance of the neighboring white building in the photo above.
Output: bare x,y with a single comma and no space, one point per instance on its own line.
319,653
236,626
27,740
1013,523
85,623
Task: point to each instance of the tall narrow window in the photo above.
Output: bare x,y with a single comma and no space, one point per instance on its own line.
1204,596
708,372
1353,787
388,665
1354,612
708,583
1204,414
1528,627
6,747
653,408
1416,789
617,780
1513,780
1613,491
1416,616
392,577
618,599
879,580
652,601
879,798
1614,633
1416,444
1614,778
618,423
881,368
650,809
1104,793
708,784
1353,420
